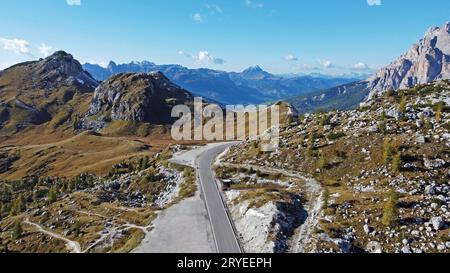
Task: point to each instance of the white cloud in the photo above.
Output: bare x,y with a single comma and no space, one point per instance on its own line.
73,2
203,57
185,54
325,63
197,17
254,4
360,66
291,58
3,66
374,2
214,8
45,50
18,46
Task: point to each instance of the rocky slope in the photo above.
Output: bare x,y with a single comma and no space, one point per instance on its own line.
44,91
385,171
343,97
138,97
89,213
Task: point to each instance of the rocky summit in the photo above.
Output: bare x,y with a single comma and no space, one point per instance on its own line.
135,97
426,61
37,92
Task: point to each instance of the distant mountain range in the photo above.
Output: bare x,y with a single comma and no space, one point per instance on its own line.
253,85
425,62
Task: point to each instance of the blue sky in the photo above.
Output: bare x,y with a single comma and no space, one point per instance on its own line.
282,36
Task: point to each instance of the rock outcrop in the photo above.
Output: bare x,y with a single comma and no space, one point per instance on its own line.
135,97
425,62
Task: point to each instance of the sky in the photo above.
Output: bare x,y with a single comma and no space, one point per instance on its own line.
281,36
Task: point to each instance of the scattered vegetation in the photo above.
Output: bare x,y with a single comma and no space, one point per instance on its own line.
403,104
17,230
390,211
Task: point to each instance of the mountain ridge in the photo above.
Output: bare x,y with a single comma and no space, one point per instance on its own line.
426,61
253,85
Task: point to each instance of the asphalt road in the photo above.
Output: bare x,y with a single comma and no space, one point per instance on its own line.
223,232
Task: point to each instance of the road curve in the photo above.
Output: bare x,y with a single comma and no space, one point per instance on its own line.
223,231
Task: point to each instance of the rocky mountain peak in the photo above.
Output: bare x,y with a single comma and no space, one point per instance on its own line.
60,62
426,61
111,65
135,97
37,92
253,69
58,69
255,73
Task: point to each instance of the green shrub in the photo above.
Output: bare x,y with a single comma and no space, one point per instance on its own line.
17,230
335,136
382,128
387,150
18,206
322,163
439,108
325,199
402,105
52,195
396,162
390,211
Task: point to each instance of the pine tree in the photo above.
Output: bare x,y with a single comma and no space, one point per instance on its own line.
311,141
403,103
428,124
144,164
322,162
255,145
383,116
387,149
323,120
382,127
422,119
301,118
18,206
130,167
76,122
64,187
17,231
396,162
439,109
151,175
390,211
71,186
390,93
52,195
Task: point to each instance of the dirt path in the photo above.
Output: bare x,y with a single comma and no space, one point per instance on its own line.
303,236
72,245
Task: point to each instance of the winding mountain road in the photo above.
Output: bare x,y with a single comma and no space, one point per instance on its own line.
222,227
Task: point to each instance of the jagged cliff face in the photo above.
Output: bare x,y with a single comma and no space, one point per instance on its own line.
135,97
426,61
48,90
